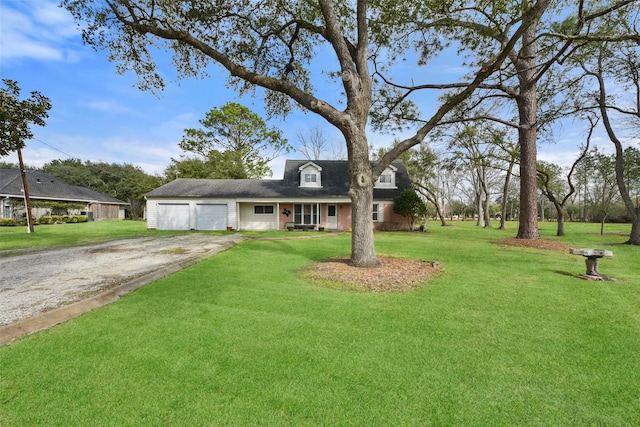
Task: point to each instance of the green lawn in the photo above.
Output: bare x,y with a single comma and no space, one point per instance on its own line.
502,336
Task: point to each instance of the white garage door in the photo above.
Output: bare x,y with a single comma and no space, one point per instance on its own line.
211,217
173,216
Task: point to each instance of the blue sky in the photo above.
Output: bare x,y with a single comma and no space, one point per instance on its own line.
98,115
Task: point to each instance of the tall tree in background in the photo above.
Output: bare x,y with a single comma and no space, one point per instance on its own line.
472,148
272,45
425,171
237,130
545,43
16,118
551,184
621,67
217,165
122,181
602,170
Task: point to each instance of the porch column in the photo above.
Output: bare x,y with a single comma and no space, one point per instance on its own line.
237,216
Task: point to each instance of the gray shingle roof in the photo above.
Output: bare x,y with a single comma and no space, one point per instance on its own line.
45,187
335,183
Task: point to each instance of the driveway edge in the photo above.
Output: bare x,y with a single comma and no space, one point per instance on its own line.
46,320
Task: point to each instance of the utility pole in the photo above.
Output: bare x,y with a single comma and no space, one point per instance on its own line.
25,188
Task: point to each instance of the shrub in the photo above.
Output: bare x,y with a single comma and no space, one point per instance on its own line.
45,220
83,218
7,222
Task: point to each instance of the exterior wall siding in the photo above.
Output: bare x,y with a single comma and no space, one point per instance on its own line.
390,219
152,214
249,220
241,215
103,211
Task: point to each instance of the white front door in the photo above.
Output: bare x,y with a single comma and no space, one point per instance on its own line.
332,217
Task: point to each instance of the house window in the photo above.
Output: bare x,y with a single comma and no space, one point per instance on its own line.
387,179
263,209
305,214
377,212
310,175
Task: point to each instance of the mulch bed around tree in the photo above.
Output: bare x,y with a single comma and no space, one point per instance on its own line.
397,274
394,275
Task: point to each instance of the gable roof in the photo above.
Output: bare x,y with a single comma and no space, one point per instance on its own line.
45,187
335,183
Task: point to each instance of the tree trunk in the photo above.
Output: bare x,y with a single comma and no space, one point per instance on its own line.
480,209
443,222
632,210
487,211
527,134
634,237
363,252
560,212
604,217
505,194
528,228
482,177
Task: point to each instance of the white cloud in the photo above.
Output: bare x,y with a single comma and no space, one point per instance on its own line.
108,105
55,17
41,32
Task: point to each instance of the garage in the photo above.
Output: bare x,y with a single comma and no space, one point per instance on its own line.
211,216
173,216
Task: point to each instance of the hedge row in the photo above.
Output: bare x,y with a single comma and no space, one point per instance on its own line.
53,219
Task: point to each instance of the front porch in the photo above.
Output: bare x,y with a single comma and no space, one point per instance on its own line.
303,216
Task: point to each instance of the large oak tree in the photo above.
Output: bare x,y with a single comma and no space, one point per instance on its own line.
546,44
280,46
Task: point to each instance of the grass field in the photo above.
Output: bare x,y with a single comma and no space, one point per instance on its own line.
502,336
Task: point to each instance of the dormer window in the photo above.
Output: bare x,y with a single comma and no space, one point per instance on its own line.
387,179
310,175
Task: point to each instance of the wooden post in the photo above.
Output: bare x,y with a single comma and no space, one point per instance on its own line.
25,188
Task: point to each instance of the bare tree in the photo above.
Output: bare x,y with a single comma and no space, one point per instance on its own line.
313,144
549,176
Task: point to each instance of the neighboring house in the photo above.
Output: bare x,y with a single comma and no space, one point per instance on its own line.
313,194
45,188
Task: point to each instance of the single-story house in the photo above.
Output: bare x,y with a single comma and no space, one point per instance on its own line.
45,188
312,194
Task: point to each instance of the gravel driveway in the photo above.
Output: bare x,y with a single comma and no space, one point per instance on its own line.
38,282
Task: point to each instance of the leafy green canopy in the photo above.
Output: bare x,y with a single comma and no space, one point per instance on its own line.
17,116
410,205
234,143
255,42
122,181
